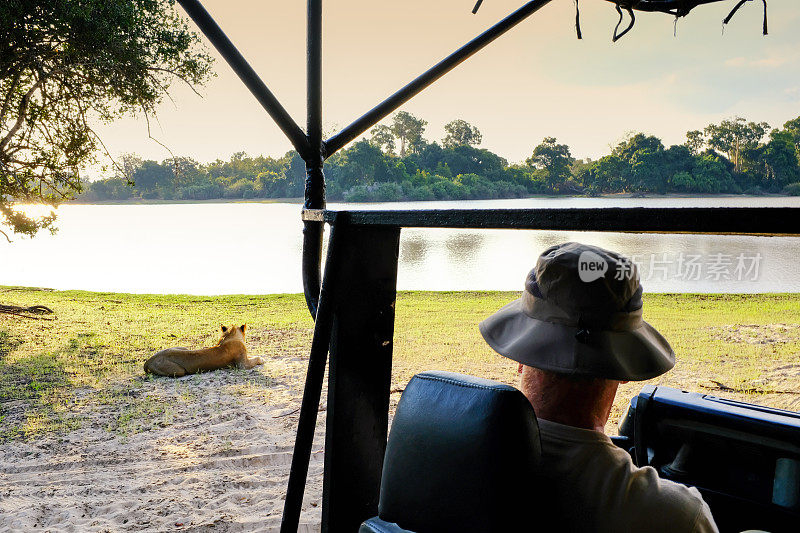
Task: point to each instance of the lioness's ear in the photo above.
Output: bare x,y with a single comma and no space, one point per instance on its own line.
224,328
244,327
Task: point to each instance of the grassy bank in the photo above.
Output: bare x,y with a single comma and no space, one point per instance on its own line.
91,353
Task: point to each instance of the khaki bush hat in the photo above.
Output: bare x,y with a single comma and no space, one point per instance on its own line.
581,314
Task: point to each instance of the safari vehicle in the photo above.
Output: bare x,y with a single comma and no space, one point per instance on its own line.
745,459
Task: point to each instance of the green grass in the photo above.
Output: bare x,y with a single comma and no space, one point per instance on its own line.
94,349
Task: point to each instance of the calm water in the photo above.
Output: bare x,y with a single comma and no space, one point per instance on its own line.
250,248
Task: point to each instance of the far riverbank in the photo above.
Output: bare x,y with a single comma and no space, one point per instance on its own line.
466,203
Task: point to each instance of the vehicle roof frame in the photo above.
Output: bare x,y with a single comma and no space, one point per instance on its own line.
351,231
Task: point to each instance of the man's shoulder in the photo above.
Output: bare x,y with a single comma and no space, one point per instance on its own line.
637,497
645,484
680,507
594,475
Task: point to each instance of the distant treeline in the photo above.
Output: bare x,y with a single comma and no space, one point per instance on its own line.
398,163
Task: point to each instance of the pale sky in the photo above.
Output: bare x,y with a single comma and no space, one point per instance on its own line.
537,80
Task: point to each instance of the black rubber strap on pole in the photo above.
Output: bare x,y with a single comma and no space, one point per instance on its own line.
739,5
618,36
734,10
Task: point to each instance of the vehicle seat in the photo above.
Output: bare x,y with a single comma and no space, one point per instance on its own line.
462,456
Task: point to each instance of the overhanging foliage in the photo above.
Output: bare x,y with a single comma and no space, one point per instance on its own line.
65,65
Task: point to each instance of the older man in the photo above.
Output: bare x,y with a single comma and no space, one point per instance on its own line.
577,333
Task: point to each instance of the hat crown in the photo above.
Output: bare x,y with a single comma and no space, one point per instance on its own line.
586,282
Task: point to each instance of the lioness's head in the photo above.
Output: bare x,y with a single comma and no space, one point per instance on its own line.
232,332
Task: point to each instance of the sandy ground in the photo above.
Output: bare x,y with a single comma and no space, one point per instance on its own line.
220,462
212,452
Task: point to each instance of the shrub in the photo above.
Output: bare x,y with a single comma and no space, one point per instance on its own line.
407,187
241,188
440,190
793,189
755,191
199,192
386,192
334,191
506,189
683,181
484,190
357,193
421,194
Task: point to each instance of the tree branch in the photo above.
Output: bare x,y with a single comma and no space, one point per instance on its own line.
180,77
9,94
23,108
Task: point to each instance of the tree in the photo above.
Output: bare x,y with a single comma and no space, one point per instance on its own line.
360,164
678,158
779,158
792,130
734,136
555,159
648,170
635,142
151,175
465,159
186,171
607,174
383,138
695,141
408,129
710,174
63,63
461,133
127,165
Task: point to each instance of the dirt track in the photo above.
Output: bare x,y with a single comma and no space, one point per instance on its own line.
220,462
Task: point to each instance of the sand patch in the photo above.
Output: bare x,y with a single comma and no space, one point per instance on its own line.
209,451
757,333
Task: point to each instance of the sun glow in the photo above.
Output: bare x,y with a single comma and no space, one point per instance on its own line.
35,210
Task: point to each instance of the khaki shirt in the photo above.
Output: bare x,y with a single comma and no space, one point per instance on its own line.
600,489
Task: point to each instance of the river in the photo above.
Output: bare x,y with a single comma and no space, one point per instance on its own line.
255,248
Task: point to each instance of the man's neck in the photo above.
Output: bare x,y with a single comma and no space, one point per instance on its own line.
581,404
591,423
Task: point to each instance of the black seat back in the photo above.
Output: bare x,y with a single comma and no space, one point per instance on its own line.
462,456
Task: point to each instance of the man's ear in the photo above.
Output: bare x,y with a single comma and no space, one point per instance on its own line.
224,328
244,327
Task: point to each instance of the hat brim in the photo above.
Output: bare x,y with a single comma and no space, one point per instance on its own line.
636,355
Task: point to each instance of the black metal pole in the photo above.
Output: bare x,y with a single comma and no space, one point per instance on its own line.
378,112
315,178
246,73
318,303
311,396
314,88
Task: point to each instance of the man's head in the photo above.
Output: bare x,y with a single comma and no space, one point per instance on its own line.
581,315
577,332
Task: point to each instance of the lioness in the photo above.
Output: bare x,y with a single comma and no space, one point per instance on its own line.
230,351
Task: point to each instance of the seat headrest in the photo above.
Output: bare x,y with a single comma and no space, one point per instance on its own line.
462,456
